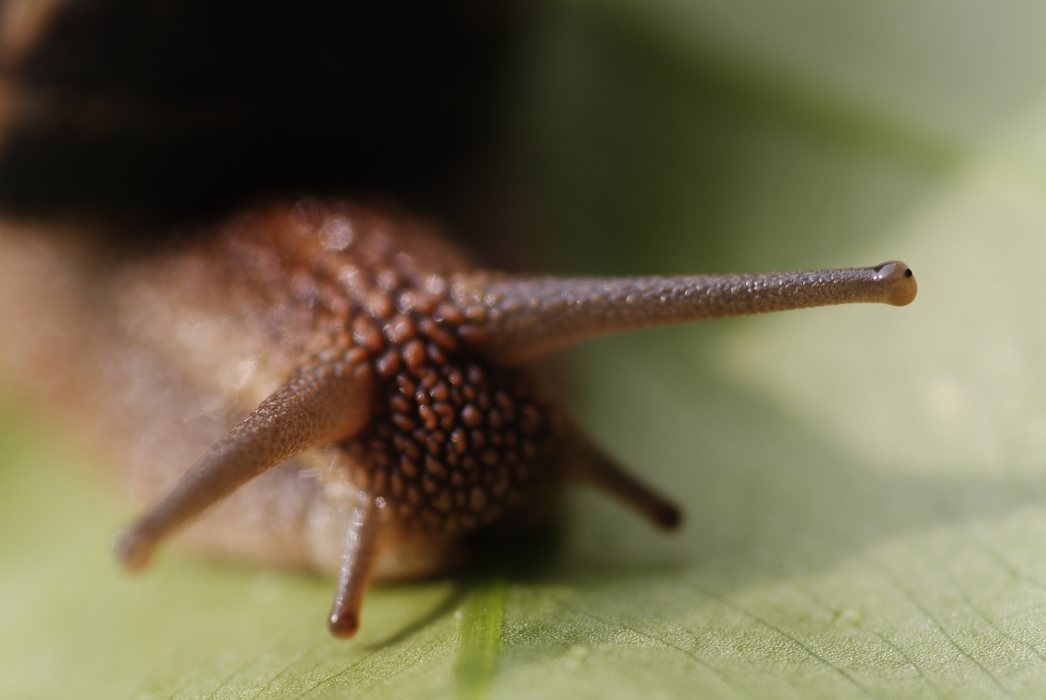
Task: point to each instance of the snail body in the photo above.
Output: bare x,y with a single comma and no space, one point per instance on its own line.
370,383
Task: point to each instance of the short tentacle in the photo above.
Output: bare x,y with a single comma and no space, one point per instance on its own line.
323,403
361,550
586,463
529,317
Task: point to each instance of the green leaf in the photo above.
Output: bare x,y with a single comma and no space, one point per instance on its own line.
864,486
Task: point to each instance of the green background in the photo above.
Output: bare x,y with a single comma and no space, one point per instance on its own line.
864,486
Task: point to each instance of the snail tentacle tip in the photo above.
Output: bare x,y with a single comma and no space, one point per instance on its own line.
668,517
899,282
132,550
344,624
589,464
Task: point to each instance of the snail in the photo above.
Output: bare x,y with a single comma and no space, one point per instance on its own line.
323,384
389,411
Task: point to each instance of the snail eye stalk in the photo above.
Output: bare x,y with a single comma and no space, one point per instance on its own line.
531,317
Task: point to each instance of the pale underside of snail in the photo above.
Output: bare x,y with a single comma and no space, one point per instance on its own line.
334,386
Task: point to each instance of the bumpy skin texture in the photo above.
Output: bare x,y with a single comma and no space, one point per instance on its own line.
445,440
366,378
451,442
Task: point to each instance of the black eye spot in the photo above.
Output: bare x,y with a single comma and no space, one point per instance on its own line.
908,273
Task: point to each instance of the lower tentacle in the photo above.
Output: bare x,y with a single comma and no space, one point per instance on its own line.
586,463
359,557
321,404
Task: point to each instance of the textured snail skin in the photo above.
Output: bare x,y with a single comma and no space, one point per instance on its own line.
365,376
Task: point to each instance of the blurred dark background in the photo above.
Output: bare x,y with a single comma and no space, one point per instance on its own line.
154,112
604,137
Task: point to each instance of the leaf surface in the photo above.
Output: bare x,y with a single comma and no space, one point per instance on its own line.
863,485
